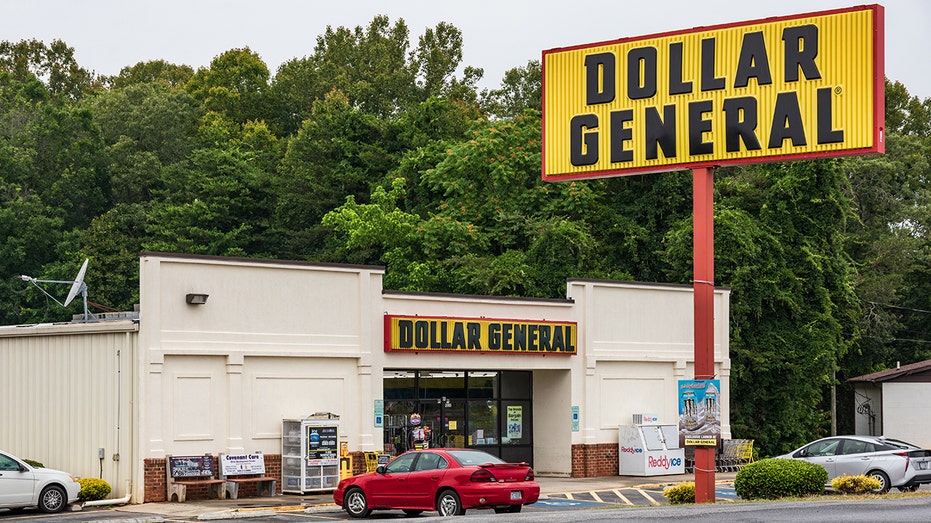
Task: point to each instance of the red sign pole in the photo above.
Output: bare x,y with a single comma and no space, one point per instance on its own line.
703,285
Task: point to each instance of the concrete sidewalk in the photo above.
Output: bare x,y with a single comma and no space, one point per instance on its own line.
219,509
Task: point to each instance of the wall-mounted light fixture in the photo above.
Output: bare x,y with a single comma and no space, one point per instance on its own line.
196,299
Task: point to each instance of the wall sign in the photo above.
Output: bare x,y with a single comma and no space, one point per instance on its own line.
484,335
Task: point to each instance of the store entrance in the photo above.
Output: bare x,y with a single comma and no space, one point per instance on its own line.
490,410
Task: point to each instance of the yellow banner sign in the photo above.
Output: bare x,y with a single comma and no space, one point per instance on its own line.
434,334
795,87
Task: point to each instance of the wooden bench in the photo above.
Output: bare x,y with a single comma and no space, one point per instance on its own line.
189,471
236,469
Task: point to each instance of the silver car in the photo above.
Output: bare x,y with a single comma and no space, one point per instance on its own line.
892,462
24,486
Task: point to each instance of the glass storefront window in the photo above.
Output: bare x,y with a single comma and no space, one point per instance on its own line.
438,384
399,384
489,409
483,422
483,384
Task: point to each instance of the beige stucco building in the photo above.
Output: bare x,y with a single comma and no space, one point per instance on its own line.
279,340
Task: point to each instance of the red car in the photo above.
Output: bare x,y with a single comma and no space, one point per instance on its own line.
448,481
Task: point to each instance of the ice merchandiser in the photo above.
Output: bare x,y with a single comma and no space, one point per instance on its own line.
649,449
310,453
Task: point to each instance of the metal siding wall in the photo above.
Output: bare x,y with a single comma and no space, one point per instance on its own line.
66,396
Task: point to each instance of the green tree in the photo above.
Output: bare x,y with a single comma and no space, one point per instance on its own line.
235,85
157,71
53,64
521,89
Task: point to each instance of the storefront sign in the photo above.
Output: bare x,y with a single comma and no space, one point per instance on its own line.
699,412
795,87
428,334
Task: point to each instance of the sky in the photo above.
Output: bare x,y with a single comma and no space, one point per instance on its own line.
498,35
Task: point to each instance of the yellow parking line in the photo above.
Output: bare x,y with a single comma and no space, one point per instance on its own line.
622,497
650,499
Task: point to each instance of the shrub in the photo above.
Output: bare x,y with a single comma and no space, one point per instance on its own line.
681,493
855,484
93,489
778,478
34,463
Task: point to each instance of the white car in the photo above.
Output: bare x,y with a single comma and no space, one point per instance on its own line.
25,486
892,462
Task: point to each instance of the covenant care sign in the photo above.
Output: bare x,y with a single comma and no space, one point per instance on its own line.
794,87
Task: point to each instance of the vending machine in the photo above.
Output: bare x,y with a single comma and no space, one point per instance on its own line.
310,453
650,448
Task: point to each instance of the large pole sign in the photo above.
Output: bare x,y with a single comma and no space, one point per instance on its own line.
794,87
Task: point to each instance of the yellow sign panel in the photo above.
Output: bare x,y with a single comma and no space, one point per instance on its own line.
796,87
435,334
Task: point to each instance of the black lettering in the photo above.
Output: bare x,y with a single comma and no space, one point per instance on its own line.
569,346
787,122
434,339
708,81
753,61
698,126
661,131
458,336
444,335
676,85
801,44
405,334
600,71
558,343
494,336
532,337
506,336
475,335
641,73
520,336
583,145
621,134
421,335
545,338
740,124
826,133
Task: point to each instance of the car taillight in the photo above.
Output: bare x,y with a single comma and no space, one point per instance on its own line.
529,476
483,476
907,460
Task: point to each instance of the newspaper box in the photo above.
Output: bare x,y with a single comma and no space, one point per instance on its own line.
649,450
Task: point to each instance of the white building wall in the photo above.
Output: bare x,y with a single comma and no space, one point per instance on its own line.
903,415
275,340
636,342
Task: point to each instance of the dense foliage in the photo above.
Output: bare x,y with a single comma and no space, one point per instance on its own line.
861,484
93,489
780,478
680,493
373,149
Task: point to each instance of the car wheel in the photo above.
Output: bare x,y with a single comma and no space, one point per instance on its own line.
883,480
413,513
448,504
52,499
355,504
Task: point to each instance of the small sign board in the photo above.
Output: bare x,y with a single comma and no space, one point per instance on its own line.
238,464
190,466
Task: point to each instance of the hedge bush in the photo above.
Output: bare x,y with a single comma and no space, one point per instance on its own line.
855,484
680,494
93,489
778,478
34,463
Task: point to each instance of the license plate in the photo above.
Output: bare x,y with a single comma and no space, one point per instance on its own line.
516,495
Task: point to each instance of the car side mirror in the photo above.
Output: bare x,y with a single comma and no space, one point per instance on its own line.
380,469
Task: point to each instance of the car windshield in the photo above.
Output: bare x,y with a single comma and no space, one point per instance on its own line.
468,458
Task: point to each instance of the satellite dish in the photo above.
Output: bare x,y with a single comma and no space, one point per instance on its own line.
78,283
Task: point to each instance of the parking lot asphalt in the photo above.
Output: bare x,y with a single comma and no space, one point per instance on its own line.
253,507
